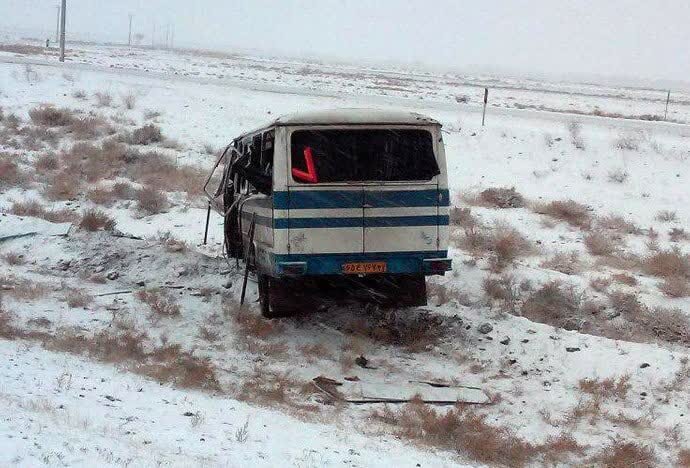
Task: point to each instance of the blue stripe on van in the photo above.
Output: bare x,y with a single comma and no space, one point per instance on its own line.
310,199
379,221
332,264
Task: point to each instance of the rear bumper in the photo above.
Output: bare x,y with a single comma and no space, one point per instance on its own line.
426,263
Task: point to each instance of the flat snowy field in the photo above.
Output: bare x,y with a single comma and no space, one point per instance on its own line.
586,359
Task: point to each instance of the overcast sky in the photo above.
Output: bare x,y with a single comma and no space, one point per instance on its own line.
632,38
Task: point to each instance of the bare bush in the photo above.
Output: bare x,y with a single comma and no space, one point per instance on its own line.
618,176
79,94
51,116
601,244
617,223
666,216
160,303
600,284
628,143
553,303
10,173
78,298
151,114
89,128
124,191
13,258
151,201
462,217
575,130
129,101
608,388
501,197
47,162
675,286
678,235
103,99
570,211
566,263
505,290
507,244
63,185
624,454
36,209
101,196
146,135
667,263
96,220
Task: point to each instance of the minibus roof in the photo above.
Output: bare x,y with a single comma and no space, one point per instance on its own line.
348,117
355,117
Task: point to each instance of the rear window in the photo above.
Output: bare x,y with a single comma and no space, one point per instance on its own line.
321,156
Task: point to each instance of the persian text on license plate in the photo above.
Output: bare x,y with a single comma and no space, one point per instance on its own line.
364,268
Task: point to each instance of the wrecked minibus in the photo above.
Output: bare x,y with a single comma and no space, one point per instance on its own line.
356,196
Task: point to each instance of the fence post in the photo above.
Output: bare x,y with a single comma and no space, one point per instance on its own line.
486,100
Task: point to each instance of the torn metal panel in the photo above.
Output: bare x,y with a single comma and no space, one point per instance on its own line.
361,391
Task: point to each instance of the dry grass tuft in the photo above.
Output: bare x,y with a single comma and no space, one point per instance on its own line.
129,101
498,197
569,211
466,432
89,128
47,162
666,216
667,263
103,99
151,201
161,304
617,223
566,263
505,291
600,284
78,298
36,209
10,173
507,244
599,243
51,116
146,135
96,220
251,325
13,258
618,176
554,303
462,217
675,286
172,244
624,454
678,234
608,388
63,185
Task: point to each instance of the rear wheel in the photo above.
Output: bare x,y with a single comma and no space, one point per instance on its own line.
406,290
277,298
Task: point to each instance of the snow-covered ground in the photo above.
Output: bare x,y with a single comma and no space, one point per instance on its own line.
67,404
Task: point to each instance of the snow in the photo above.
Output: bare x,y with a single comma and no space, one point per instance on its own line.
210,100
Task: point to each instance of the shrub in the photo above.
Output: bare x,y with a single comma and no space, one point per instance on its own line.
600,244
608,388
151,201
678,234
666,216
96,220
124,191
575,130
13,258
617,223
103,99
89,128
502,198
10,174
600,284
63,185
77,298
507,244
50,116
79,94
628,142
566,263
570,211
618,176
553,303
667,263
129,101
675,286
101,196
146,135
462,217
47,162
160,303
623,454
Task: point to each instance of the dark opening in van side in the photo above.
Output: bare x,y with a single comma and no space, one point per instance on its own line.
359,155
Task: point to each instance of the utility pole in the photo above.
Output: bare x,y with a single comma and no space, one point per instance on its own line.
668,99
63,23
129,41
167,36
172,37
57,26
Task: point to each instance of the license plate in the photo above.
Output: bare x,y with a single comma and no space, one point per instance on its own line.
363,268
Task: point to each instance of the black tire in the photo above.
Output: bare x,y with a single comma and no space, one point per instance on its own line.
276,297
407,291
